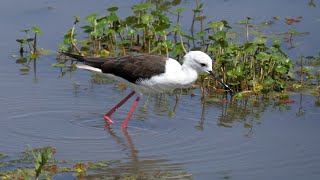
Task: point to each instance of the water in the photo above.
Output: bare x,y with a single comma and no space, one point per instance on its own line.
205,142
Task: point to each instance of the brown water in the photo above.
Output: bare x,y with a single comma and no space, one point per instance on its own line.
209,141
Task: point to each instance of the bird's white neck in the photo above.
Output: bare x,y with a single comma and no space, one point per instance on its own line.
189,75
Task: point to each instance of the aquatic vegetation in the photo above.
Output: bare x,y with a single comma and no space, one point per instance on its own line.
30,41
246,66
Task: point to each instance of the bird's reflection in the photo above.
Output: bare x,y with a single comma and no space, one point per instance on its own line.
137,167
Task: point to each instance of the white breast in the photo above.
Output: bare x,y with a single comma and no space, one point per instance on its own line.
174,77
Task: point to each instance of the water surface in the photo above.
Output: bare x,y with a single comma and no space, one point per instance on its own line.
42,108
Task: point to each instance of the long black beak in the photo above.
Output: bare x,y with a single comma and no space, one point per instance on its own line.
218,79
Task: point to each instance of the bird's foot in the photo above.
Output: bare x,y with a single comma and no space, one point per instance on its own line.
108,119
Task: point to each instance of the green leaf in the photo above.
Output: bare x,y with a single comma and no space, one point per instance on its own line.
178,10
60,65
276,41
109,31
176,28
33,56
25,30
188,37
77,19
147,18
92,17
95,33
22,41
113,9
242,22
259,40
21,60
220,35
268,82
24,70
29,39
103,164
36,30
142,7
3,156
216,24
312,4
104,53
102,23
92,167
63,47
113,17
263,56
200,18
281,69
292,31
131,31
123,42
201,33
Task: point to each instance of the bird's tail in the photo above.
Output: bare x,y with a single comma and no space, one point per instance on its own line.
89,68
74,56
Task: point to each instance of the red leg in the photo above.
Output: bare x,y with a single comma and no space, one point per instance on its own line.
125,122
115,108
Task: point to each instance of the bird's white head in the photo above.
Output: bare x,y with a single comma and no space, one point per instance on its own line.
198,61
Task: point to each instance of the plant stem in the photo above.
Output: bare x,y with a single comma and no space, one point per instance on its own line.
181,41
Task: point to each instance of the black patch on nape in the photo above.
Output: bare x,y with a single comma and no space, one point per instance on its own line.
135,68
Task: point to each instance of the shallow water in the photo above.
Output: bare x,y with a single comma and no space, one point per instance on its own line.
42,108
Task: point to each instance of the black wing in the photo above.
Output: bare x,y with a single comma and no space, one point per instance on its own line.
134,68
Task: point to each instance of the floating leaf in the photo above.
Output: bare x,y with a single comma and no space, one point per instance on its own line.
242,22
60,65
24,70
103,164
21,60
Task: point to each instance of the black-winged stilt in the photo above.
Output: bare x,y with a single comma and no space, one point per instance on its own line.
146,73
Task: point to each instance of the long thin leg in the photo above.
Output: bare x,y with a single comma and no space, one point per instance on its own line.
115,108
125,122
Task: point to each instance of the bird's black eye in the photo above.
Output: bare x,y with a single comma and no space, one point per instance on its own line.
203,64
